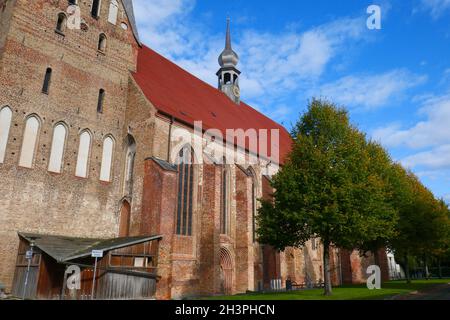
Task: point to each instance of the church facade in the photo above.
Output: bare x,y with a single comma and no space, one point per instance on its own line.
103,138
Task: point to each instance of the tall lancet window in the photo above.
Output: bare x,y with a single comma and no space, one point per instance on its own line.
253,200
30,138
5,126
107,159
185,191
225,199
84,151
130,155
57,150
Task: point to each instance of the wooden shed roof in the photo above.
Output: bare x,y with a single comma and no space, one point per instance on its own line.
64,249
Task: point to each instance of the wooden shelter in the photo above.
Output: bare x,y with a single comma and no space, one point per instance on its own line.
127,269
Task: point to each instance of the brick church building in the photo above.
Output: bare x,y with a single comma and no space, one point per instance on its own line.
91,157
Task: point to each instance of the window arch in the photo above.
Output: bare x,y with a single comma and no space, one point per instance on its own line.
113,11
30,138
5,126
107,159
129,165
185,191
57,149
47,81
84,151
225,199
61,23
102,42
252,175
101,100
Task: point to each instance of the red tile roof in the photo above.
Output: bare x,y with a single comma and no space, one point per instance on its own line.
178,93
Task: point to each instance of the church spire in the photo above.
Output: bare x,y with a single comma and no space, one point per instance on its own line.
228,38
228,58
228,74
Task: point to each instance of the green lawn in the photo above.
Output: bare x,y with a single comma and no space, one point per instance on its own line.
359,292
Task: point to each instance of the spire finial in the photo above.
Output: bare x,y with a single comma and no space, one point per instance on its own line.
228,40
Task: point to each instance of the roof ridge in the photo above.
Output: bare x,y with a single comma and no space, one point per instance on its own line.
209,86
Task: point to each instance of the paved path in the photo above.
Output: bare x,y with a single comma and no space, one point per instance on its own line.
438,292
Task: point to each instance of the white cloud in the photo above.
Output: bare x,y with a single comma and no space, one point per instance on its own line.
437,158
431,136
433,131
273,64
436,7
369,91
447,198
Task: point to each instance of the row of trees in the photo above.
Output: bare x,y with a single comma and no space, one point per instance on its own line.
345,189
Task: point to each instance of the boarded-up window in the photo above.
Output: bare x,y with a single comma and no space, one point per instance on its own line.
105,172
185,191
83,155
113,11
29,142
57,151
5,125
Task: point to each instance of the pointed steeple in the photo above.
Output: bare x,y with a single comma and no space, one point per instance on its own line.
228,74
228,58
228,38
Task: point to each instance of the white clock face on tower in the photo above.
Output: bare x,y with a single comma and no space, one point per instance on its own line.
236,91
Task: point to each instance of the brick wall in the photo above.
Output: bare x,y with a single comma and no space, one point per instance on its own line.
34,200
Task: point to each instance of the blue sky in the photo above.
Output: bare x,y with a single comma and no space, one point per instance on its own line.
395,81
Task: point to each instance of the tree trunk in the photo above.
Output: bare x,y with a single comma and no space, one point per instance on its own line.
326,268
408,276
376,258
440,269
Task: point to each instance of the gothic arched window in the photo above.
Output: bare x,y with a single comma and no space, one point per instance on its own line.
84,151
102,42
61,23
57,150
225,200
129,166
30,138
47,81
101,100
5,126
113,11
185,191
107,159
252,175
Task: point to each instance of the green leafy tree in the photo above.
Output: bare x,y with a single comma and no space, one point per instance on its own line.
422,228
328,188
382,167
